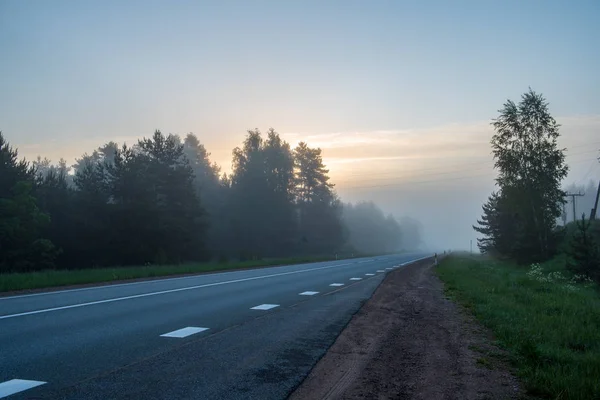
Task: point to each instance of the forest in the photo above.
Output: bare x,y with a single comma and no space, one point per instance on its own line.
163,201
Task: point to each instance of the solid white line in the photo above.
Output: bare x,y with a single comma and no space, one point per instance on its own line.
136,296
308,293
356,279
105,285
413,261
369,274
265,307
17,385
184,332
336,284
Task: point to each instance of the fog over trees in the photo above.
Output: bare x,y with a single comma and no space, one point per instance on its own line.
521,219
583,204
162,200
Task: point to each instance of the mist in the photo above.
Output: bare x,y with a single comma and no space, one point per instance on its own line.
163,200
583,204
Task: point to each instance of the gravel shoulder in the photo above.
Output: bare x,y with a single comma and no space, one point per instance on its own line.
410,342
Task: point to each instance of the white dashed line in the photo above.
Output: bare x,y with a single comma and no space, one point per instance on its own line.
336,284
265,307
308,293
138,296
380,270
184,332
369,274
17,385
388,268
356,279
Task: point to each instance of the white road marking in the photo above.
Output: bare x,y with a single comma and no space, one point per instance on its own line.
336,284
388,268
265,307
380,270
356,279
17,385
308,293
184,332
413,261
106,285
136,296
369,274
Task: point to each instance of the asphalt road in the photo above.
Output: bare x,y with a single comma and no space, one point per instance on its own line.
251,334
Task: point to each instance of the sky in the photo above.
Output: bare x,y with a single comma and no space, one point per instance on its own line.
398,94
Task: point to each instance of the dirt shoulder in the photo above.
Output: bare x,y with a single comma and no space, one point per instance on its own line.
409,342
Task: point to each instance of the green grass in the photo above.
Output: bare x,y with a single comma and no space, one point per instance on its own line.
551,331
53,278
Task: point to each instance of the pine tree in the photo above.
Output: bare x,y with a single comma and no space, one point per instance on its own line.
23,246
584,251
319,209
261,201
498,227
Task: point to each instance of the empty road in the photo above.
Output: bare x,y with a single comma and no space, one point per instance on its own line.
251,334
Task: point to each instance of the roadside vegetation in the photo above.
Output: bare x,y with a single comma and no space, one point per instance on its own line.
546,317
53,278
536,284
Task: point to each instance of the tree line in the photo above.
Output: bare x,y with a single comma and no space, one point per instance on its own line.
163,201
520,219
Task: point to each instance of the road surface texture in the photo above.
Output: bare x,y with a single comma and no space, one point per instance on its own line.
252,334
409,342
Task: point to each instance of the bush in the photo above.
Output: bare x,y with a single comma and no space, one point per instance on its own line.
583,251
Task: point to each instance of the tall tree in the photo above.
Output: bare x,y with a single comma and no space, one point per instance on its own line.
92,214
279,169
157,214
248,210
261,200
319,209
12,170
23,246
530,168
55,197
213,193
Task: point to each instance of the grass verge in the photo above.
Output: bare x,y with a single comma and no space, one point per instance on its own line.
550,327
54,278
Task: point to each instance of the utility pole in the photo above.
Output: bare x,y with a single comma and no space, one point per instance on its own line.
595,209
572,196
471,246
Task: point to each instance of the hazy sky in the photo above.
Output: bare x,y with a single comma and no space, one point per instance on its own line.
399,94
